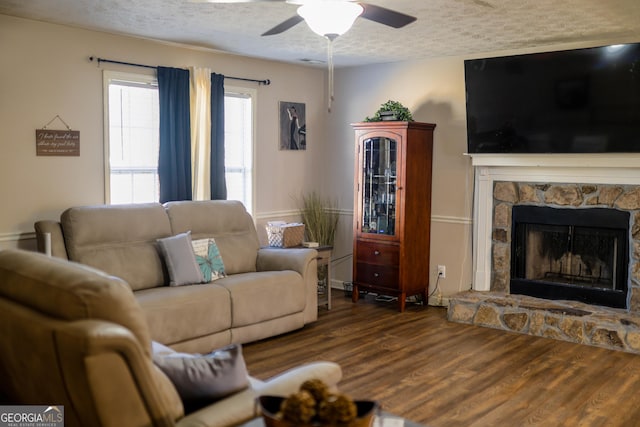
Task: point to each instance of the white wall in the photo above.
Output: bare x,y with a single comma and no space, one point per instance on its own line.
45,71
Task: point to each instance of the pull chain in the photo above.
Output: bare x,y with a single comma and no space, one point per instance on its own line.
330,64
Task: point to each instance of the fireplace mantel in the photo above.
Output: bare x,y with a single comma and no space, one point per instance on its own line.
606,168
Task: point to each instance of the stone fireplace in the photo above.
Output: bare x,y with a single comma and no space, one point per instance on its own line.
584,230
574,254
573,184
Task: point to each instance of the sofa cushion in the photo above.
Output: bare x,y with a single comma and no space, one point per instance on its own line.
180,259
79,292
227,221
177,314
205,378
208,259
256,297
120,240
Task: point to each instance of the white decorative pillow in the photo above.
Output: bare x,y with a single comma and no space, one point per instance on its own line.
208,259
180,260
202,379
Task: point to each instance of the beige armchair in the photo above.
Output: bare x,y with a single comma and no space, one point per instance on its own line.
71,335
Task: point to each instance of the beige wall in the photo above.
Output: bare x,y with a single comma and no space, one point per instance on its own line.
45,71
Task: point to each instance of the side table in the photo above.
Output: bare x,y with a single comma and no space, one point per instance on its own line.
324,259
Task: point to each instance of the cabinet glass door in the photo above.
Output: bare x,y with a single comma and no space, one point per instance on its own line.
379,186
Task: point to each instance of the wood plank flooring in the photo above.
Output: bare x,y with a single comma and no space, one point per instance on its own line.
442,374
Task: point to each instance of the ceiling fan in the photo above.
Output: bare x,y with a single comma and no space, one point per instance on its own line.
331,18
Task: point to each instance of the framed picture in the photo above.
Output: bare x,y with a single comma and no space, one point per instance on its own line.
293,128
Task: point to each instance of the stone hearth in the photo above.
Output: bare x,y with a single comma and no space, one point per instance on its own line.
571,321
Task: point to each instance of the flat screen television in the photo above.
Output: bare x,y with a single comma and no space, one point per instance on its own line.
571,101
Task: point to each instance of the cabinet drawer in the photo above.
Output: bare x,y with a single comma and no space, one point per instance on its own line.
377,275
376,253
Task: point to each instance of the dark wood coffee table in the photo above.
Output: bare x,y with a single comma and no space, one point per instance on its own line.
382,420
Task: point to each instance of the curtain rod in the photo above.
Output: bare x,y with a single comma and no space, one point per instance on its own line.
265,82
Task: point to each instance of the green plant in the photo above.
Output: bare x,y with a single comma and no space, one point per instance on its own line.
319,217
400,112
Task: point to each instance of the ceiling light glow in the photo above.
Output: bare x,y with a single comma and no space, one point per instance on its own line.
330,18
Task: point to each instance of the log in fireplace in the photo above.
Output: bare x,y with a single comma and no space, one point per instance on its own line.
574,254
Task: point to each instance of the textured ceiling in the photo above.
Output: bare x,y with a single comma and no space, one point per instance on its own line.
443,28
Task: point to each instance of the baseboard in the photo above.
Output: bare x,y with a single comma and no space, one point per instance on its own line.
444,302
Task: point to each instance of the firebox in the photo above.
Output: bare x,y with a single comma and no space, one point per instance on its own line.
573,254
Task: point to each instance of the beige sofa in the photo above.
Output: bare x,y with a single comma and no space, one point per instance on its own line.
73,336
267,291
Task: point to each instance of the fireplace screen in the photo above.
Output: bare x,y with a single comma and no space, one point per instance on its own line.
578,254
568,254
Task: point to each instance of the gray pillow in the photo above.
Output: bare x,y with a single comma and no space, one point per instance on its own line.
205,378
180,259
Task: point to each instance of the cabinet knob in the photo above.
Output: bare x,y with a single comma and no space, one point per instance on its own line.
376,275
376,252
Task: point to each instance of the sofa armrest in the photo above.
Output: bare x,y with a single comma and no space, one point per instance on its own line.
110,379
54,228
242,406
305,262
274,259
291,380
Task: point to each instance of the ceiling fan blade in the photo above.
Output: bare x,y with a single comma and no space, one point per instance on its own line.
284,26
386,16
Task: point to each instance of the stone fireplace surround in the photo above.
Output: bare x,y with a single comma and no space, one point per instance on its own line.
561,180
568,196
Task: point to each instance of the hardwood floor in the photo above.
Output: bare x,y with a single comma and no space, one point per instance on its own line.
441,374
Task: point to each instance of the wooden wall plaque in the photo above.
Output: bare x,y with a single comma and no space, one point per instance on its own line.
57,142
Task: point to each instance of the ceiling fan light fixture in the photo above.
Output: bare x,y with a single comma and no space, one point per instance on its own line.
330,18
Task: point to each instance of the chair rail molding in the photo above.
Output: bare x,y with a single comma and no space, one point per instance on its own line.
17,236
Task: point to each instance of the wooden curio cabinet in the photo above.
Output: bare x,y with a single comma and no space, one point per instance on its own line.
392,212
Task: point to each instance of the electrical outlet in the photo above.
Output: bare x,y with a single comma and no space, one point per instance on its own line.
442,271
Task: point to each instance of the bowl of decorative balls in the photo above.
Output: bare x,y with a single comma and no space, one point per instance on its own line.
313,405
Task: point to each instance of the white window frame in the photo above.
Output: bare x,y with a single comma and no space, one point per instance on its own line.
108,77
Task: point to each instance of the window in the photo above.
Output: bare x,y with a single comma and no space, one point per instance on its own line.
238,145
132,133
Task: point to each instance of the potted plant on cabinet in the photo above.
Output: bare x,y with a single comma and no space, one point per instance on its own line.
391,111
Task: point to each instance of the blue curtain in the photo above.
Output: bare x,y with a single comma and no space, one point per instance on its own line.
174,162
218,181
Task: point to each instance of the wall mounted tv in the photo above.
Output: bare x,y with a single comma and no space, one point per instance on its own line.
572,101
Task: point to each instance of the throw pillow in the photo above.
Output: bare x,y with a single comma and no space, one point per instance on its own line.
209,259
180,259
158,349
202,379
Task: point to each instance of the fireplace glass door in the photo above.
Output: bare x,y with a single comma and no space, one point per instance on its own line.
581,256
577,254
